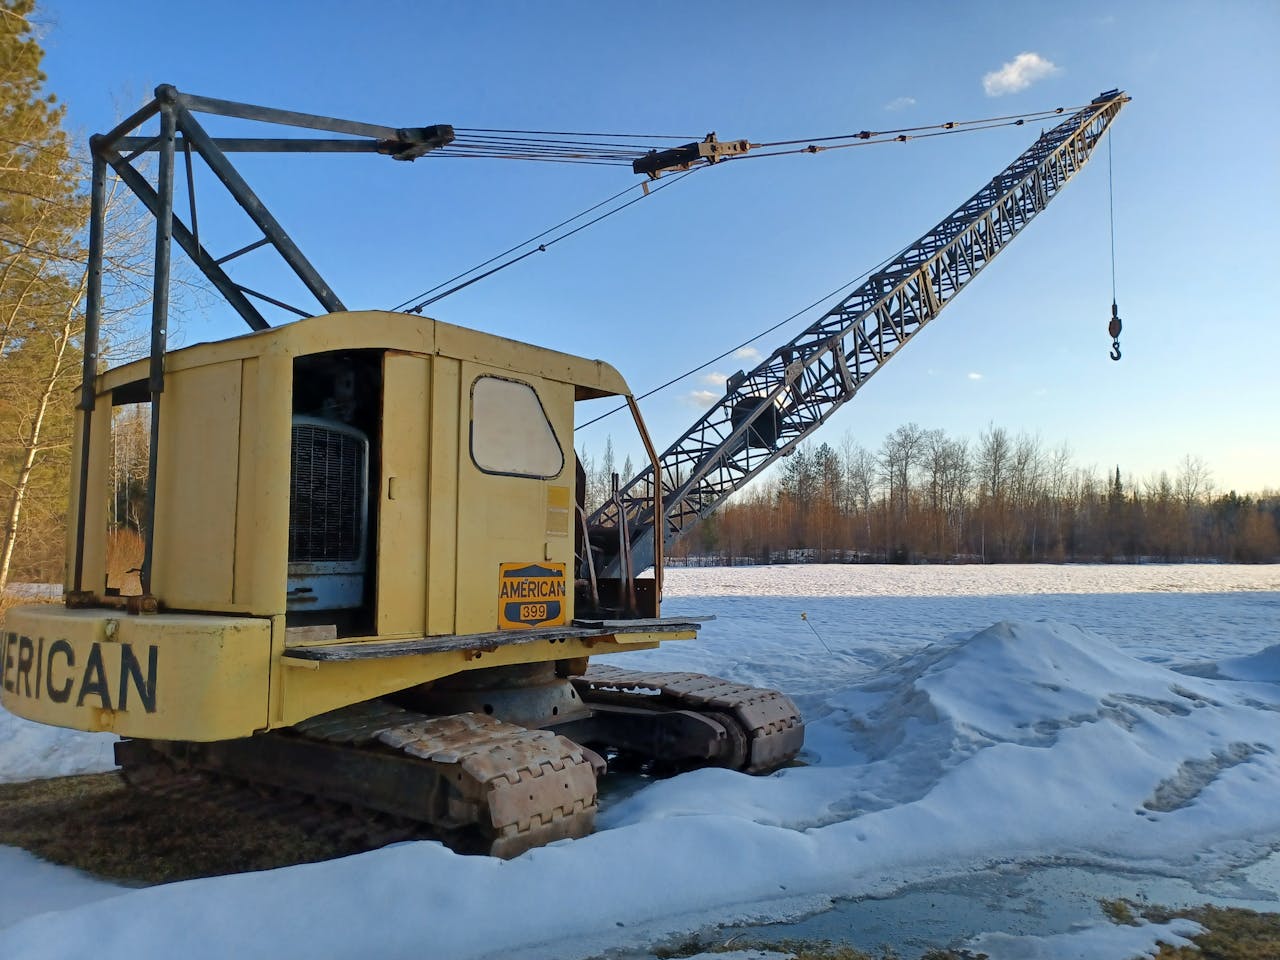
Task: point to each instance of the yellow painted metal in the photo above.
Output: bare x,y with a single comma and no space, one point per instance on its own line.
559,510
443,529
503,518
199,453
442,520
262,523
250,495
312,687
203,678
402,512
359,330
167,676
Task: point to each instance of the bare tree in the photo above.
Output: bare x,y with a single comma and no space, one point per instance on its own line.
993,456
860,472
1026,493
1195,480
899,459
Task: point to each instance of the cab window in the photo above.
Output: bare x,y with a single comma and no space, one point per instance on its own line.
510,432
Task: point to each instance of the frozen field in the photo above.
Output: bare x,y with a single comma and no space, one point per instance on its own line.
867,614
960,719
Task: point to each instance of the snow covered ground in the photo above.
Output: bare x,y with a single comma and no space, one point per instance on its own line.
958,717
32,751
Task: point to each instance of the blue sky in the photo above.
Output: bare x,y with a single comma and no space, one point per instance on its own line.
703,265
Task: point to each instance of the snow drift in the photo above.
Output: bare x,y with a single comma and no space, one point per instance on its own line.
32,751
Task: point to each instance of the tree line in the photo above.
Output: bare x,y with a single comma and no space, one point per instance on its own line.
924,496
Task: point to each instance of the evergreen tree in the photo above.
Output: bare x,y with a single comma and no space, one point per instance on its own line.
42,283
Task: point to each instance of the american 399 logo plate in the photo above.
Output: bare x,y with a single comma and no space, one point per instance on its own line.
531,595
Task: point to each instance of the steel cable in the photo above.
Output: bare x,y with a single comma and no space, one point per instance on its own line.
745,343
428,300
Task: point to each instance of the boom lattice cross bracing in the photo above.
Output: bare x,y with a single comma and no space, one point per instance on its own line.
803,382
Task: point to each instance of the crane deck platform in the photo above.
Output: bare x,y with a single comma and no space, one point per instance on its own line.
579,629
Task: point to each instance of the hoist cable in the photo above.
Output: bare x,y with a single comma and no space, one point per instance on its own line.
1115,325
1111,206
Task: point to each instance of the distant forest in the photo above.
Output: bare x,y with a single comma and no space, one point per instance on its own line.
925,497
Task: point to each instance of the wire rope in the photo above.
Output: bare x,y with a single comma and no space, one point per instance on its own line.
745,343
619,148
515,247
947,125
490,142
563,133
1111,208
542,248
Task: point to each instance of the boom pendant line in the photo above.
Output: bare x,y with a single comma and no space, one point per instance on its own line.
766,412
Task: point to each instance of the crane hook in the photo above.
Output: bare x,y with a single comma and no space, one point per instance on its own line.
1113,328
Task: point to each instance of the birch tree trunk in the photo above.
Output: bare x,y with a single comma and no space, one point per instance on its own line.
33,439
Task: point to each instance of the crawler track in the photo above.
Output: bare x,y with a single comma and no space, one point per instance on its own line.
471,780
375,773
768,721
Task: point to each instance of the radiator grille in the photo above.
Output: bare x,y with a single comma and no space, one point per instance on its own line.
326,494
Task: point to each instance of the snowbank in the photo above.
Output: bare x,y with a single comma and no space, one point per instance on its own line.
1100,940
1024,740
29,886
1263,666
32,751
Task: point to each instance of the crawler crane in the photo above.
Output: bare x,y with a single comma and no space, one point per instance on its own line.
370,575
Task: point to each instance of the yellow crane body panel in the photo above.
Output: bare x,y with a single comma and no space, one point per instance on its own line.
323,489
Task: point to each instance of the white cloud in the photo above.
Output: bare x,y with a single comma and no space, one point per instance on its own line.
900,103
701,398
747,353
714,379
1018,74
975,376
